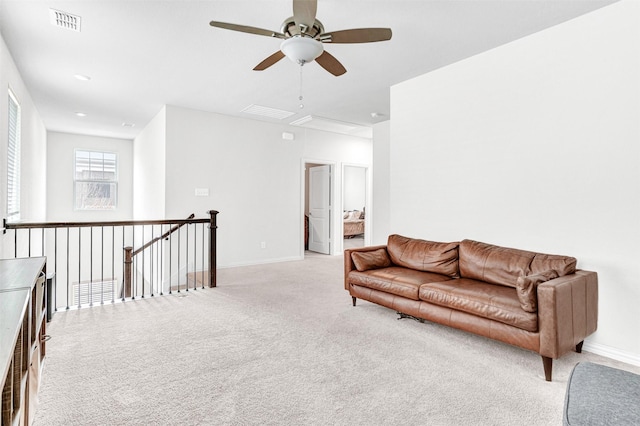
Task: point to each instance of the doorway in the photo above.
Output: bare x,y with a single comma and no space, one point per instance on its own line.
354,206
318,211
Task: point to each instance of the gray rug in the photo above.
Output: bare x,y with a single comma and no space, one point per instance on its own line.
281,344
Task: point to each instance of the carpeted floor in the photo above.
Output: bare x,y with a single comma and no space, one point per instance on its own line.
281,344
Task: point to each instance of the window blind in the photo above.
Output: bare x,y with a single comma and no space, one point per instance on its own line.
13,160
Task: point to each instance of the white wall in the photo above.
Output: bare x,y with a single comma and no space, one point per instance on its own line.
355,188
254,178
33,150
535,145
149,170
60,159
380,210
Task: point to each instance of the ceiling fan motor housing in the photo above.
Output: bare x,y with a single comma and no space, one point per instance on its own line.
289,29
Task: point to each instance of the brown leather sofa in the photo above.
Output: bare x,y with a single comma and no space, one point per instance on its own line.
535,301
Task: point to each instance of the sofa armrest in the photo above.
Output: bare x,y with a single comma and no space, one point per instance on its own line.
348,262
567,312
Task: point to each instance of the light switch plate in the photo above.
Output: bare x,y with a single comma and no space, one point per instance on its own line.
202,192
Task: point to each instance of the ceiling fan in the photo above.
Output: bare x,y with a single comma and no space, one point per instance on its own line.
303,38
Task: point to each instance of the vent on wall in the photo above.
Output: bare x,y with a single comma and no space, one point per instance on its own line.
65,20
95,292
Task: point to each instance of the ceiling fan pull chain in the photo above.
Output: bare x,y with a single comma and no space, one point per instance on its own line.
300,97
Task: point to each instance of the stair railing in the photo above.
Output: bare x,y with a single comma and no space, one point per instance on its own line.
84,257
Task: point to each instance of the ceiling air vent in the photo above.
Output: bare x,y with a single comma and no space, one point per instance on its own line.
335,126
65,20
267,112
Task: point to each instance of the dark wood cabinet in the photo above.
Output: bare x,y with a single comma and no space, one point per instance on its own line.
23,315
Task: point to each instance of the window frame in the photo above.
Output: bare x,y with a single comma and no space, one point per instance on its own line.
80,206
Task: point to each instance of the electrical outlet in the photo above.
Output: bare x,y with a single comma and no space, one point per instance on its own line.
263,245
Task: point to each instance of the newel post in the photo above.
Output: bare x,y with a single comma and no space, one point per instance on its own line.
212,247
128,260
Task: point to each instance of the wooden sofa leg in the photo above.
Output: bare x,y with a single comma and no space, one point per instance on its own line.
579,347
548,366
353,300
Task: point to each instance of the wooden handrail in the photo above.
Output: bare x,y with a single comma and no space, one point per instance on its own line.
163,236
32,225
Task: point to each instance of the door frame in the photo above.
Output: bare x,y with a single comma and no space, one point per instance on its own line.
367,202
332,200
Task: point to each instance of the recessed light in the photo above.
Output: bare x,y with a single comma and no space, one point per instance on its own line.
128,125
82,77
80,114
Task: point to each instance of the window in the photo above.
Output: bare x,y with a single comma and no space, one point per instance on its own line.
96,180
13,160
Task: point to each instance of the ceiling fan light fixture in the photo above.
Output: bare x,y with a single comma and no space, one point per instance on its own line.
301,49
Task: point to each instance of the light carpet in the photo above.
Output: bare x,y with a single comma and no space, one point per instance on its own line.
280,344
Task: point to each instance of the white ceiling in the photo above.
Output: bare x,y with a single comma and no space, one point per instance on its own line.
143,54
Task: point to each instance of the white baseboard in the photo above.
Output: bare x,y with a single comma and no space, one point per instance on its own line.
260,262
613,353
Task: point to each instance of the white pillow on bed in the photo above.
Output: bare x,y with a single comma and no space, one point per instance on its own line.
354,214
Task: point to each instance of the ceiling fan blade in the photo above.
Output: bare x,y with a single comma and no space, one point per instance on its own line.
359,35
304,13
331,64
269,61
246,29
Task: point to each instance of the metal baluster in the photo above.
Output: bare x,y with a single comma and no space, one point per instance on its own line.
133,275
151,262
203,234
90,266
123,269
170,262
55,268
113,263
186,250
143,259
79,262
161,263
179,260
102,265
67,268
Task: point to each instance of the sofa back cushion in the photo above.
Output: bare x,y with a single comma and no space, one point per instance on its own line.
422,255
503,265
563,265
493,264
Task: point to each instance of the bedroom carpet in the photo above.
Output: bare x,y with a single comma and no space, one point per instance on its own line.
280,344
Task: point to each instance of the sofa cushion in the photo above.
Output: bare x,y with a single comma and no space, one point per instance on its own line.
563,265
503,265
374,259
493,264
395,280
527,288
494,302
422,255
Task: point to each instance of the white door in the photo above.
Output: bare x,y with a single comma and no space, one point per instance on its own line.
319,208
